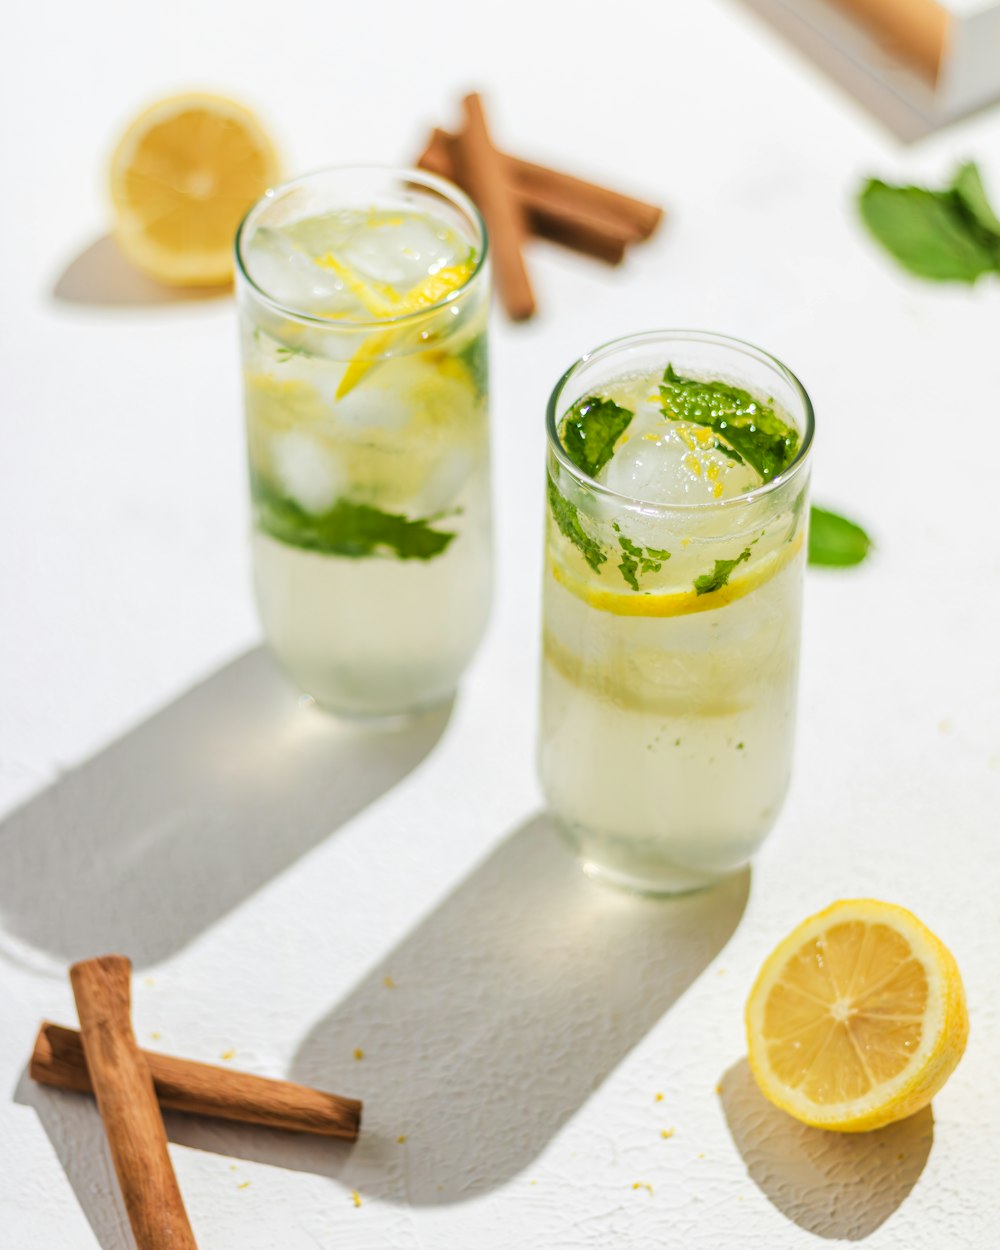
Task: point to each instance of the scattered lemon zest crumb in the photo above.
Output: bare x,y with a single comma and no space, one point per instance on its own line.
358,1053
233,1167
243,1185
148,981
702,1155
667,1133
643,1185
658,1098
228,1054
401,1140
718,1088
532,1182
155,1037
389,983
355,1197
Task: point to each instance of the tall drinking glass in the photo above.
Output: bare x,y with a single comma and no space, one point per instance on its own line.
678,467
363,298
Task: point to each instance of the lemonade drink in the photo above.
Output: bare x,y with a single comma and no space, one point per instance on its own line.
363,302
675,545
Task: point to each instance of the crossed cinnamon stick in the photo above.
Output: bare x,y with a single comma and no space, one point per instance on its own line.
130,1085
517,197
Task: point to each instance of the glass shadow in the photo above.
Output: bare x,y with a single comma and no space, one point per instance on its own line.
493,1022
144,846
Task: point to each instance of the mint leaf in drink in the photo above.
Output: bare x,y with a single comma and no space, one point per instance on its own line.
720,575
750,429
284,354
568,521
945,236
835,541
637,560
354,530
474,356
590,430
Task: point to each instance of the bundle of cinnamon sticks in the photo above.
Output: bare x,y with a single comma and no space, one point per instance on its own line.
131,1085
517,197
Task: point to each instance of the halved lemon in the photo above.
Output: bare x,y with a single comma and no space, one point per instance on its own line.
182,176
857,1018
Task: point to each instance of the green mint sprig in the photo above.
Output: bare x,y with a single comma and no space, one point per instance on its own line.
474,355
721,574
353,530
951,235
752,431
637,560
590,431
567,519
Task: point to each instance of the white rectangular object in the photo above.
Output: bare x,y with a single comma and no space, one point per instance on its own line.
941,57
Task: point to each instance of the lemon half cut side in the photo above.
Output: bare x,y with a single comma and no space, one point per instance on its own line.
857,1018
182,176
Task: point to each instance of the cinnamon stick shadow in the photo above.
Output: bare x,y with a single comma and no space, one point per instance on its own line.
510,1004
73,1126
149,842
841,1186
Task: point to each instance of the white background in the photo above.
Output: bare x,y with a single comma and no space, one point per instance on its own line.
165,794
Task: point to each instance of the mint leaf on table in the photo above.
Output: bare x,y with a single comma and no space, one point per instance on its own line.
834,541
968,188
590,430
720,575
752,430
354,530
568,521
952,235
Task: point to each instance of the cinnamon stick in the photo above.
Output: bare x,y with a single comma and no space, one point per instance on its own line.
127,1103
641,217
201,1089
483,174
549,214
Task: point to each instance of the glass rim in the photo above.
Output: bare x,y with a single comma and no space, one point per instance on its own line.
447,189
554,415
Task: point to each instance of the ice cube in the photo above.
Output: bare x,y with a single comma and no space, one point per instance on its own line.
664,461
288,273
402,251
371,406
306,471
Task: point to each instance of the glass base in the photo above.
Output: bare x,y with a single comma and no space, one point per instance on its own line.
641,868
672,884
381,719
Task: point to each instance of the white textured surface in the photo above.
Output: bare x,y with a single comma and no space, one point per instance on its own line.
165,794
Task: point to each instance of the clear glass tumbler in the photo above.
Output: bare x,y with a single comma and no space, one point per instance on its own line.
363,299
672,604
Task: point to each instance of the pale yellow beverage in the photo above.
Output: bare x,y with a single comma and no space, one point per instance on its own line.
675,545
364,301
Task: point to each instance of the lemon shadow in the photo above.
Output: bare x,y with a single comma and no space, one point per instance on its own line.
834,1185
494,1020
101,276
